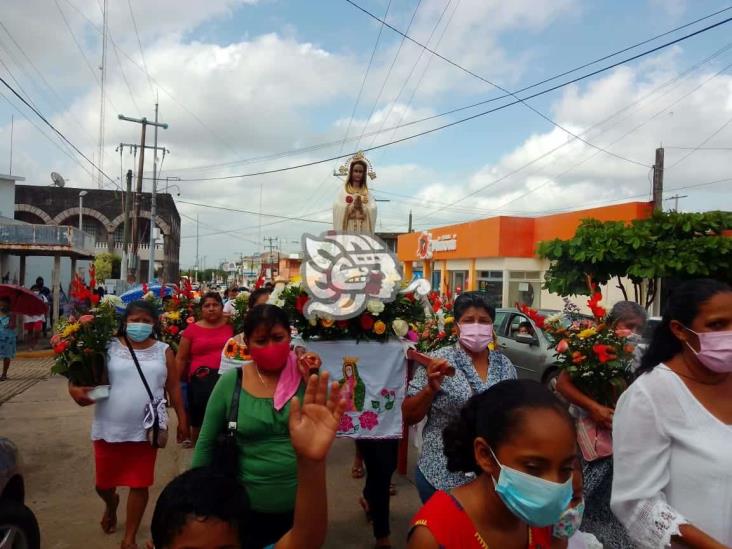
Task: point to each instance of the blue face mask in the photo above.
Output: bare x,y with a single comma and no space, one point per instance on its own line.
536,501
139,331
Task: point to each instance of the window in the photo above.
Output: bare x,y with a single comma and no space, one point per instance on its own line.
498,323
436,280
491,283
525,287
520,324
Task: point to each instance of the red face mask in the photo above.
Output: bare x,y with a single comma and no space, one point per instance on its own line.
272,357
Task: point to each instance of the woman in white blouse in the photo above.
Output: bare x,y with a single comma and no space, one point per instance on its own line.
672,430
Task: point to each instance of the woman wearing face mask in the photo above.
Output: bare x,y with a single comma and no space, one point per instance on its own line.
518,442
267,463
628,319
7,336
199,356
673,427
123,456
440,390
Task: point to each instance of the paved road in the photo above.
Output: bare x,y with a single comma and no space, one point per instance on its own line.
53,436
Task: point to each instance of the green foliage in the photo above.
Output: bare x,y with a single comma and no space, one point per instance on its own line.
106,265
667,245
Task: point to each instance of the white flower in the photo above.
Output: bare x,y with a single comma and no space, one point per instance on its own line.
313,321
554,318
280,303
243,296
113,300
375,307
149,296
400,327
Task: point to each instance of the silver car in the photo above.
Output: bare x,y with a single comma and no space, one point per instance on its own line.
532,353
18,525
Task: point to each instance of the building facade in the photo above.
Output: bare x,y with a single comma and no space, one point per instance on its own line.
498,255
103,218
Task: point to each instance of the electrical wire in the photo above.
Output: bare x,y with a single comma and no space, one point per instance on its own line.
238,210
497,86
139,43
319,146
472,117
701,144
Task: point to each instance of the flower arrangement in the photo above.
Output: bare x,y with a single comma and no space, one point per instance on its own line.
378,322
439,329
596,357
80,345
241,306
178,312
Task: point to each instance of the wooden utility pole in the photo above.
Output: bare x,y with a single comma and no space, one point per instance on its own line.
127,208
658,181
135,260
676,198
410,222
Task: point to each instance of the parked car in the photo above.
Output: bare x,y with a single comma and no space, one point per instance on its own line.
18,524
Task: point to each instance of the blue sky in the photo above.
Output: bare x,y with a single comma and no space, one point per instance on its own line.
267,76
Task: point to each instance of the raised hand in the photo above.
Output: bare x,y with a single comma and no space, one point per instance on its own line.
314,422
436,371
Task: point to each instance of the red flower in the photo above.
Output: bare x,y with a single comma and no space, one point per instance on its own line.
342,324
597,311
562,346
190,320
144,288
448,306
346,424
436,305
441,335
173,330
94,298
368,420
60,347
409,297
300,303
367,322
92,276
86,319
605,353
349,199
578,358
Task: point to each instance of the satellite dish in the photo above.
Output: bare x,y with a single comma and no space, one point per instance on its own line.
57,179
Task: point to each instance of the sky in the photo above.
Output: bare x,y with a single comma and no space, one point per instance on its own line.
248,86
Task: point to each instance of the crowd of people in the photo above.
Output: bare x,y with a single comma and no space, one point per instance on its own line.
499,465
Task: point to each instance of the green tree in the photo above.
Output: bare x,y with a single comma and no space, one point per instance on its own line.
667,245
107,266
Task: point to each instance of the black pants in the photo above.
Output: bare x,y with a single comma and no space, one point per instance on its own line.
263,529
380,458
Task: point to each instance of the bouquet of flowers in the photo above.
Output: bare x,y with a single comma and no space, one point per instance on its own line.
378,322
178,312
439,329
241,307
80,342
596,357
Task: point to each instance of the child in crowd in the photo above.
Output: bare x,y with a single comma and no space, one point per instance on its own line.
566,531
519,443
7,336
202,509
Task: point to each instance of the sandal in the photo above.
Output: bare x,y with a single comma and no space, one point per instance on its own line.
365,506
357,471
109,519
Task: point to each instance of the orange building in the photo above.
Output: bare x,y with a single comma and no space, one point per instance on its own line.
498,255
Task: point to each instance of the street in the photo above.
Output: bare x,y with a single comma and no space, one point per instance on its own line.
52,434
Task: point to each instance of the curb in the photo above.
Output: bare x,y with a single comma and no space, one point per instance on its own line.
46,353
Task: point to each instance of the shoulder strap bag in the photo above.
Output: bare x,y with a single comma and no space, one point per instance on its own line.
157,432
226,453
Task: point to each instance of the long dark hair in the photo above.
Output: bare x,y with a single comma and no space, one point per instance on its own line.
683,306
216,296
478,300
267,315
495,415
135,306
363,163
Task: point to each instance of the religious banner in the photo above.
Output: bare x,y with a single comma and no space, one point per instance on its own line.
373,379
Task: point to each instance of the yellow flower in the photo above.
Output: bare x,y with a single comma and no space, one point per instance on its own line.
174,316
379,327
449,320
492,346
589,332
70,329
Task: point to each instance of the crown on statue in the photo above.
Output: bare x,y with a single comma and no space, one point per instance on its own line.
345,169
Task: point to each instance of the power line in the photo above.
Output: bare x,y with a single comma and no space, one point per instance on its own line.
139,43
699,148
472,117
319,146
284,217
499,87
61,135
701,144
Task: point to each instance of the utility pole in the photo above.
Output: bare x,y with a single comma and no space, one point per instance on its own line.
410,222
103,69
273,244
197,229
153,201
658,181
135,260
127,208
676,198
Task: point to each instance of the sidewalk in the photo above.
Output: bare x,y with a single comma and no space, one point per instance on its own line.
53,436
23,374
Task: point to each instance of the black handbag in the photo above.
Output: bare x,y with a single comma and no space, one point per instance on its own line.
156,435
226,453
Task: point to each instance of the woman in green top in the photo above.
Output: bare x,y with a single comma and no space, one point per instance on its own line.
267,462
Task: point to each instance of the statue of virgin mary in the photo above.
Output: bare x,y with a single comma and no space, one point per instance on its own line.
354,209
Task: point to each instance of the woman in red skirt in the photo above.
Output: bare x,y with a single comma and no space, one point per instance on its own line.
122,454
517,442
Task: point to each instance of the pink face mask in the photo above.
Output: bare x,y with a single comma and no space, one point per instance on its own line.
271,358
715,350
476,337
